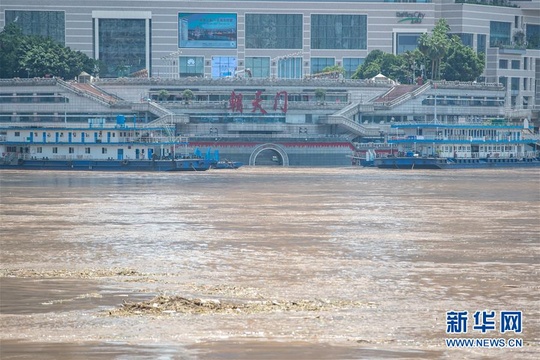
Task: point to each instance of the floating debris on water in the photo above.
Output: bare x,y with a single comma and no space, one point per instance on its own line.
64,273
165,304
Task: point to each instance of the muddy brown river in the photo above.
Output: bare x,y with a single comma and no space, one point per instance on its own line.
268,263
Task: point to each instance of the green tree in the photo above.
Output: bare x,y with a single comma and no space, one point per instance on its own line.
27,55
462,62
448,58
163,95
320,94
188,95
336,68
11,41
435,46
379,62
413,62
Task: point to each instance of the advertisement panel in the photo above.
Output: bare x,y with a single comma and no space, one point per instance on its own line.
216,30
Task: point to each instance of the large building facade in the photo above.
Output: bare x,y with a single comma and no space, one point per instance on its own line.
282,39
250,65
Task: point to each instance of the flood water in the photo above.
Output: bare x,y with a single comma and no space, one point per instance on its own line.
390,252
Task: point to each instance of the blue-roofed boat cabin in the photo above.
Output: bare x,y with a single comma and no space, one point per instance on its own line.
463,144
98,145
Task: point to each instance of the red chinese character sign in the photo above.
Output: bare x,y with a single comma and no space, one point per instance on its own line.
282,102
257,103
235,102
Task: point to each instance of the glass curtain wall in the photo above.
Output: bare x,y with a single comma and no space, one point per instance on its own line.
318,64
533,36
290,68
347,32
274,31
51,24
191,66
499,33
259,67
122,46
406,42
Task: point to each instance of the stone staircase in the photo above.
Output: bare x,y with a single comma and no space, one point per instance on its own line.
89,91
166,118
344,118
400,94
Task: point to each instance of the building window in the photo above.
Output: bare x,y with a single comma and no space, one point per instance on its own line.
406,42
274,31
466,39
71,150
481,43
339,32
526,101
55,150
503,64
223,66
533,36
318,64
289,68
39,150
103,150
514,84
87,150
50,24
191,66
516,64
17,133
258,66
499,33
350,65
122,46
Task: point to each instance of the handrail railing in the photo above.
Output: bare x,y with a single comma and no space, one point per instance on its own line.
87,94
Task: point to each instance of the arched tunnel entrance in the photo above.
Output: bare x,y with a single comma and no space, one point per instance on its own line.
269,155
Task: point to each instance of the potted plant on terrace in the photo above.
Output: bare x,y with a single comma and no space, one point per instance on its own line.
320,94
187,95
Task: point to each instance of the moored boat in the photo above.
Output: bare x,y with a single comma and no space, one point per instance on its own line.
99,146
412,162
490,144
227,164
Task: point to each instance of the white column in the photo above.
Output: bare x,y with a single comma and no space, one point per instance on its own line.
147,45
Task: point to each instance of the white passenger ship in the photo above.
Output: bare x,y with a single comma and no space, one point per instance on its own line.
97,145
493,143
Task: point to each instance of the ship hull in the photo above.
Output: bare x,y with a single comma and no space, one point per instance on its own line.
112,165
440,163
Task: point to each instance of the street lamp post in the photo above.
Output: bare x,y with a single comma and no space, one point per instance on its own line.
170,60
435,109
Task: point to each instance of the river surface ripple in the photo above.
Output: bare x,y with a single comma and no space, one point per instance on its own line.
397,250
